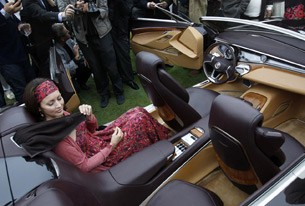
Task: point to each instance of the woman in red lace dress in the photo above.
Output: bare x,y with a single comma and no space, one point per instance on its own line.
89,149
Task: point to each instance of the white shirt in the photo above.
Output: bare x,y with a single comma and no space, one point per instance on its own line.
254,8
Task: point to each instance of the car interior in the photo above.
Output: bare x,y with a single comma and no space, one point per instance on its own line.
248,154
250,132
262,79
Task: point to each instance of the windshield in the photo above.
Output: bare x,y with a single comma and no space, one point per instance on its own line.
279,27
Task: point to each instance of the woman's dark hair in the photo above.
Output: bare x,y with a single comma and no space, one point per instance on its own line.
30,101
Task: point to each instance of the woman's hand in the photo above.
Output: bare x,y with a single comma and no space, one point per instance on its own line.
116,137
85,109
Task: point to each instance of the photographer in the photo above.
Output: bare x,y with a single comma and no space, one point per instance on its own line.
91,27
71,57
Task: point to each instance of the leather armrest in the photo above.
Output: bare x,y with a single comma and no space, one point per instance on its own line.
144,165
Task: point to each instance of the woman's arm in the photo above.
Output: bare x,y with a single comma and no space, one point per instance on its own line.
91,122
70,151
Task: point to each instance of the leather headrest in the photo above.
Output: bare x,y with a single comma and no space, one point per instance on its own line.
235,117
269,140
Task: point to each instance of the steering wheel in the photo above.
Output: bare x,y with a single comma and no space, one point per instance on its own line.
219,63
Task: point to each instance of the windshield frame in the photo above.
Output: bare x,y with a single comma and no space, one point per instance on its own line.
266,25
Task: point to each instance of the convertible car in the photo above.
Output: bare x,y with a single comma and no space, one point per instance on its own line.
238,135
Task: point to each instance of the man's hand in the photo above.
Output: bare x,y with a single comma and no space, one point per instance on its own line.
12,7
76,52
163,4
68,12
151,5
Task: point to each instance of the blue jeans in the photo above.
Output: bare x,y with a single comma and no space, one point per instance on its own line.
16,76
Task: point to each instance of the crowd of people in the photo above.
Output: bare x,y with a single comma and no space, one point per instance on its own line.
93,36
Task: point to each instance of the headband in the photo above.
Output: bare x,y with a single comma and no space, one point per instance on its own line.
44,89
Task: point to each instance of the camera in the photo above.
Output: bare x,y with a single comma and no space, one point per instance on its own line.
77,10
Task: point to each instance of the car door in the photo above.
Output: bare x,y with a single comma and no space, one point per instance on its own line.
175,43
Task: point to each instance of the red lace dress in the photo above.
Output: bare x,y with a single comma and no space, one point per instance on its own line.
91,151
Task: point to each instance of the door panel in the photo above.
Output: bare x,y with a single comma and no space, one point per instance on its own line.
181,46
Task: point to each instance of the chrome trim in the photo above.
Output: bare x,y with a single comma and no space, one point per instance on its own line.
56,168
242,69
12,139
165,21
260,24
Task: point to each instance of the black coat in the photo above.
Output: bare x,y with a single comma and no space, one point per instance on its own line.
12,48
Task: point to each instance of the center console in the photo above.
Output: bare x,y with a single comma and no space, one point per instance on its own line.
187,140
272,102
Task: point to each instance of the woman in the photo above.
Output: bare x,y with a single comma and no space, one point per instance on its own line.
91,150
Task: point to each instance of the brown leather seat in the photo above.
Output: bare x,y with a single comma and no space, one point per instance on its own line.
248,153
180,193
177,106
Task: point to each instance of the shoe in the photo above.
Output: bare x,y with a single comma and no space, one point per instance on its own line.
133,85
104,101
120,99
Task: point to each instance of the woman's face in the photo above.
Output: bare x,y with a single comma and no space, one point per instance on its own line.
52,106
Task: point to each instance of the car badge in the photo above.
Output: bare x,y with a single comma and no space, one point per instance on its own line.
217,65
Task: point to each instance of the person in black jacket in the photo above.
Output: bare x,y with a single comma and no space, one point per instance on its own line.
41,14
14,63
119,15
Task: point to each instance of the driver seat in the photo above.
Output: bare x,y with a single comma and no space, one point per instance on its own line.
177,106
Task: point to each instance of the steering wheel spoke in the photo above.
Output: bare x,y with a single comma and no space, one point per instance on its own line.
209,58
